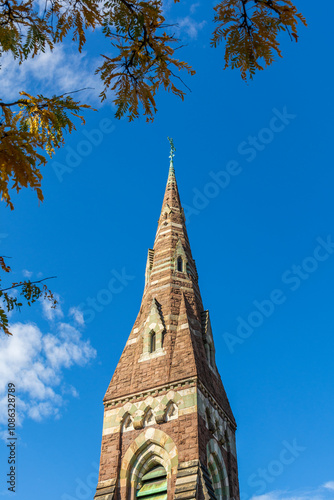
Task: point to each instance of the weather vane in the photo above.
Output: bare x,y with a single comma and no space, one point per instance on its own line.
172,149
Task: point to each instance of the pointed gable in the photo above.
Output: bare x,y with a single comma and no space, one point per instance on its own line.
153,328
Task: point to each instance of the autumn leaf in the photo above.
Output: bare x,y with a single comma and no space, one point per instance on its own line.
250,30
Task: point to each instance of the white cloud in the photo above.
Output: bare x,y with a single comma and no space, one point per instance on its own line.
77,315
329,485
183,25
190,26
35,362
67,348
167,6
310,494
268,496
69,389
26,273
194,6
56,72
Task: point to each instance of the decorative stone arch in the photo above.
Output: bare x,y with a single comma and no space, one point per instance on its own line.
140,413
127,423
218,472
221,432
149,418
171,397
172,411
128,409
149,402
151,447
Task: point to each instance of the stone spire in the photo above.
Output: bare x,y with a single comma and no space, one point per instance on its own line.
172,308
168,430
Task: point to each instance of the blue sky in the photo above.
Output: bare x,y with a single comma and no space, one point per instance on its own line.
255,173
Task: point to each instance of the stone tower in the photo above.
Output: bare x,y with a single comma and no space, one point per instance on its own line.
168,430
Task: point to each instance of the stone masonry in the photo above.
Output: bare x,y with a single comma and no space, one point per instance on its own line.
166,403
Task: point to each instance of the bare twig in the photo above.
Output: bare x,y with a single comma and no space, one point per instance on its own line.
27,282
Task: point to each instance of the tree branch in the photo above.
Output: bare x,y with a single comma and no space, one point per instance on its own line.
27,282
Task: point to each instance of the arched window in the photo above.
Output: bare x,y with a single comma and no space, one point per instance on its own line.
153,485
153,342
152,448
180,264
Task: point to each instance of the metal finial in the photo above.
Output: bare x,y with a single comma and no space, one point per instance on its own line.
172,149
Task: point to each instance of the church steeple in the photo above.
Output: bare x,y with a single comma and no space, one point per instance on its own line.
167,380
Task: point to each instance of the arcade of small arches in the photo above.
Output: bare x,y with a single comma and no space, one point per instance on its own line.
149,414
217,426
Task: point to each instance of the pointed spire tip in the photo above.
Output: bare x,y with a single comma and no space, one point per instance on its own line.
171,155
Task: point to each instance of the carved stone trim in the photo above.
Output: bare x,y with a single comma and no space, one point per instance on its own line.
110,403
214,403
